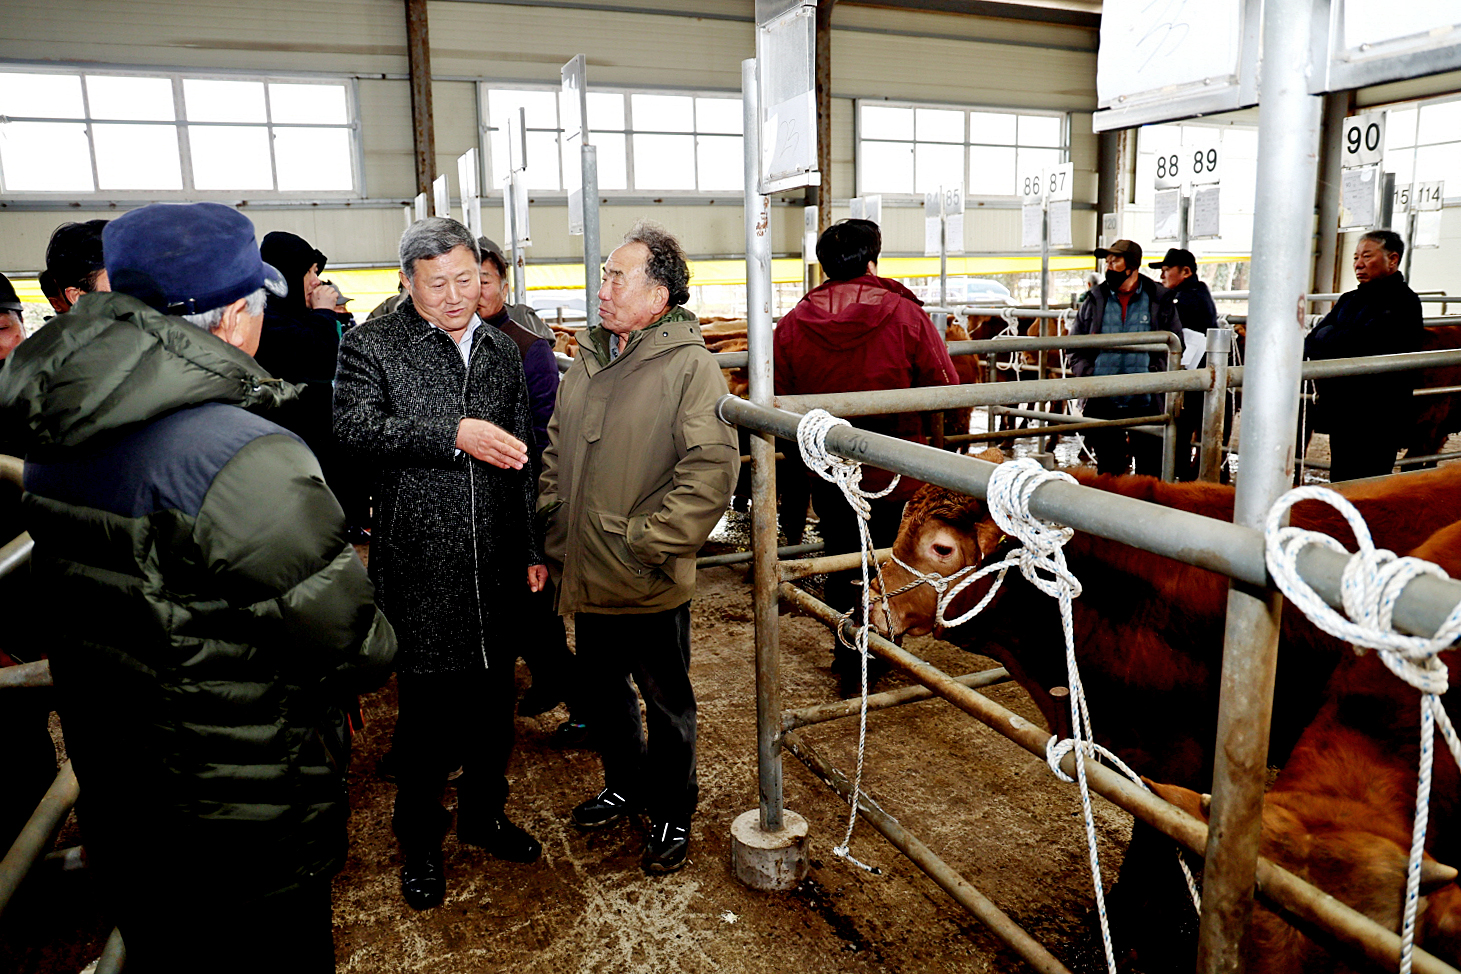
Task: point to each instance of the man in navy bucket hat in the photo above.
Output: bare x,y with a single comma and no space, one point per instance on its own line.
205,691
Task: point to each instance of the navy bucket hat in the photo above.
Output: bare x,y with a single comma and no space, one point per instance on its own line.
186,258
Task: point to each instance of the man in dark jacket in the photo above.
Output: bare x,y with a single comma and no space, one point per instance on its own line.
434,405
1124,302
74,263
544,641
858,332
1367,415
211,626
1185,304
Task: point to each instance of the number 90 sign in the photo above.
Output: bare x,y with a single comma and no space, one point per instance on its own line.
1364,140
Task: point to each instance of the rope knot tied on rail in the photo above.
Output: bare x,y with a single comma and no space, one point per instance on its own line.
1370,585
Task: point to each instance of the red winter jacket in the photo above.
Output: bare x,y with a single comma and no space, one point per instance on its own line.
853,336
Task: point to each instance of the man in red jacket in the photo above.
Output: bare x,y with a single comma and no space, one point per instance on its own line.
854,333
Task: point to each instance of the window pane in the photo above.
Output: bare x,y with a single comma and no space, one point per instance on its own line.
542,107
133,99
881,122
317,159
1040,130
41,96
662,113
1032,160
224,101
543,159
719,115
991,171
664,162
230,158
1440,123
937,125
308,104
1399,129
1402,164
1434,162
886,167
605,113
137,157
721,162
990,128
45,156
613,156
938,165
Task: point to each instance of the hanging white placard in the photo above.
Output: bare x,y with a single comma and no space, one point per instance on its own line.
1206,213
1428,196
1060,235
572,110
954,220
932,223
467,175
1359,189
1110,229
1167,214
1059,182
1363,142
786,82
1427,230
1032,224
809,234
441,196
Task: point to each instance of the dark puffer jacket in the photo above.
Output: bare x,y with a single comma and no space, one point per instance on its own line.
211,625
452,540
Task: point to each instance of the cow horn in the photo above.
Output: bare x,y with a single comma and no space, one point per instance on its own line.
1434,874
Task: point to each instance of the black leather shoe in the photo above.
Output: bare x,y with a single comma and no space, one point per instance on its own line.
669,844
503,839
570,733
605,808
423,880
540,698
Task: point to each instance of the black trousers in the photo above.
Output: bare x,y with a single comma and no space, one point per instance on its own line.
543,644
446,721
838,526
1116,448
654,650
173,931
1356,451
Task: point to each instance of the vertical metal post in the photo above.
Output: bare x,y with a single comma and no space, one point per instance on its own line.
941,320
1331,154
1288,143
1387,203
1183,219
519,263
418,57
822,69
1169,429
763,465
592,257
1214,405
1410,220
1045,257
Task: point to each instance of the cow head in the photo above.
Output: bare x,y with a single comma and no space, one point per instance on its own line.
1325,841
942,532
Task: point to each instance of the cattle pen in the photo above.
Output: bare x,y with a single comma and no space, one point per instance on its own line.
1287,176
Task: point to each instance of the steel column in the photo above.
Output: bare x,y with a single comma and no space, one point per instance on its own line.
822,70
1288,145
763,467
423,131
1331,152
592,255
1214,405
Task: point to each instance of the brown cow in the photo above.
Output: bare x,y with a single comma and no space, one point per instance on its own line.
1437,417
1339,815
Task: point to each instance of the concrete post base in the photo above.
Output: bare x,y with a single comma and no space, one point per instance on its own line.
769,861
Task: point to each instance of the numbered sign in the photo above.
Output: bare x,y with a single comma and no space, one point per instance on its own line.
954,220
1169,169
1202,160
1364,140
1058,182
933,223
1032,186
1428,196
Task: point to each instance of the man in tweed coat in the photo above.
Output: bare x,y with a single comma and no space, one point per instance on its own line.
434,405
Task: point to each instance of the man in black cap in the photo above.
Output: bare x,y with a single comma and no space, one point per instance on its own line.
12,319
1123,302
227,624
74,262
1186,304
1367,415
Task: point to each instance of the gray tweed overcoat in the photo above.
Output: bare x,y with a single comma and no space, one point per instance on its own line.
453,536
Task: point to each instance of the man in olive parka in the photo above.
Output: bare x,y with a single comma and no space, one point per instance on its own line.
211,624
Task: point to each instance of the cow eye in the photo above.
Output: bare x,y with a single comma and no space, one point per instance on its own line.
943,550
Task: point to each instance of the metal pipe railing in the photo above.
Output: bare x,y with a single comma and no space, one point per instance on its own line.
839,709
12,469
741,557
36,674
38,833
1243,296
15,554
1219,546
1312,907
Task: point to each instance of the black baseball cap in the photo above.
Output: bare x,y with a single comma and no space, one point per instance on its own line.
1129,249
186,258
1176,257
9,300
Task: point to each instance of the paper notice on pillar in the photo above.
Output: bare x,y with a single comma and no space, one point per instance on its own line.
1194,347
954,232
933,240
573,182
1060,235
1032,219
1205,213
1427,230
1357,195
1167,214
789,138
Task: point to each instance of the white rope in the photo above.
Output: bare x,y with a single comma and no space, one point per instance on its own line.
1370,586
811,437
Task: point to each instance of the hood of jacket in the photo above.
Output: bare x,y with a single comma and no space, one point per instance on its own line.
112,361
838,315
291,256
670,330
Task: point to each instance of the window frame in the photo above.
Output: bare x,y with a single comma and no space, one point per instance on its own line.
183,126
1453,192
485,127
858,138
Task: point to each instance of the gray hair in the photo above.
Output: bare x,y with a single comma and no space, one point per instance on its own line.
209,320
666,265
430,238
